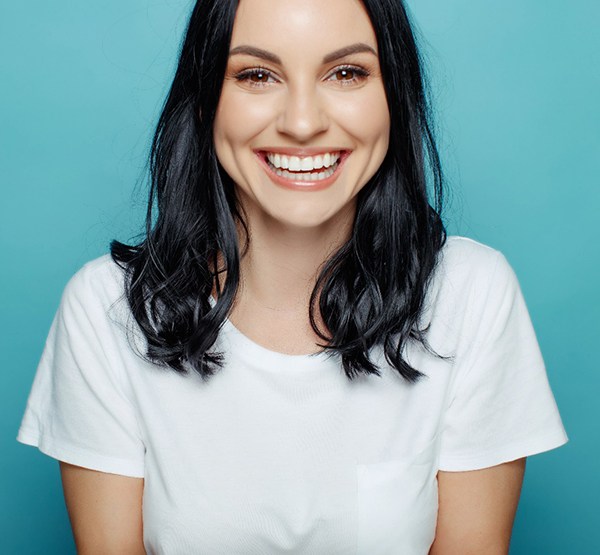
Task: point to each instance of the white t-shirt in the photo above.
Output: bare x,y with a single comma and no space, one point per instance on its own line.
282,453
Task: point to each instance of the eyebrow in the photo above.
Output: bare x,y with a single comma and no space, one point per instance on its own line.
332,56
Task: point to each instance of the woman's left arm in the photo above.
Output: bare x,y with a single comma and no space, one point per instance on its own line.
477,509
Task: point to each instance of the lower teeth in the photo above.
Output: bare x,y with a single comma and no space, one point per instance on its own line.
304,176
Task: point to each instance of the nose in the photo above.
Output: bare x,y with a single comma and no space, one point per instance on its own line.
302,115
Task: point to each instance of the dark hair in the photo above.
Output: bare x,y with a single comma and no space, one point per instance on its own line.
370,292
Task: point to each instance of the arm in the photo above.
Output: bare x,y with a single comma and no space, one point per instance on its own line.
477,509
105,511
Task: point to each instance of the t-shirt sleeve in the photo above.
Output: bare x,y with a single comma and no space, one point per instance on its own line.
78,410
502,407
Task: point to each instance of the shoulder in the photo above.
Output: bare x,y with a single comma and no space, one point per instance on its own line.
99,285
94,309
464,262
470,279
101,276
465,254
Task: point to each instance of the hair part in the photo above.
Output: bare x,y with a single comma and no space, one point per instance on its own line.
370,292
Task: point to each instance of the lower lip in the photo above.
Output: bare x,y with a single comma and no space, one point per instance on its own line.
302,185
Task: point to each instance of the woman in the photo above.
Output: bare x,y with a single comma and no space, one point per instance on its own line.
321,371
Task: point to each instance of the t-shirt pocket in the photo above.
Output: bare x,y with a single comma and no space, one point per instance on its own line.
398,504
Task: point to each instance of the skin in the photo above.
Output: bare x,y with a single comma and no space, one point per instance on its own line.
301,103
105,511
477,509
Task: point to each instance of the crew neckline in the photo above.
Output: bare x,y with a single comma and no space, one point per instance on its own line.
241,346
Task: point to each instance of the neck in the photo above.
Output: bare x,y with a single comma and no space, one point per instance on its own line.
281,266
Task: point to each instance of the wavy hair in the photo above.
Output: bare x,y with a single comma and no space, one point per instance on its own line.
370,292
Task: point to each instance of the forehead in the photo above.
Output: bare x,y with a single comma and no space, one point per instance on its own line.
295,28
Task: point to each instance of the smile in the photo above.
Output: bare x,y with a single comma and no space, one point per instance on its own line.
303,172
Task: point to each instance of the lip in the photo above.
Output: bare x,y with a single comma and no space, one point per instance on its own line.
302,185
304,151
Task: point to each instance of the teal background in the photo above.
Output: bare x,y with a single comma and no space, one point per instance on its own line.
516,85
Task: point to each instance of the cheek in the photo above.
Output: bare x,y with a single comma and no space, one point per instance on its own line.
366,118
239,118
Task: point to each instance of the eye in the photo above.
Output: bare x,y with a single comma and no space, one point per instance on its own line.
349,75
255,77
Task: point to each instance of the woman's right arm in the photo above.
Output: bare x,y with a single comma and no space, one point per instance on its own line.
105,511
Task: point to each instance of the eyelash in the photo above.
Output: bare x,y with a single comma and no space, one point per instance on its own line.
359,75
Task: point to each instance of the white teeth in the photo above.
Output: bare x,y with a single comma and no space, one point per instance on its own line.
306,163
313,176
294,165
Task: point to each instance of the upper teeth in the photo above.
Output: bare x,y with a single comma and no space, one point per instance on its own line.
306,163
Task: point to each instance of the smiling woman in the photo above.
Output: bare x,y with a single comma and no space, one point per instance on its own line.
321,103
322,370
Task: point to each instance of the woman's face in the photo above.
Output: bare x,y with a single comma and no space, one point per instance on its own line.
302,123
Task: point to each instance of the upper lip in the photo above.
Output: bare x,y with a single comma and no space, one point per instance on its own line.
305,151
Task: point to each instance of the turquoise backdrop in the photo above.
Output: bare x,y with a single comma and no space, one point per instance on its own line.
516,85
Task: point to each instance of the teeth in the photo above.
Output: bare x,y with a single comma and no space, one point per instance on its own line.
313,176
294,165
306,163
